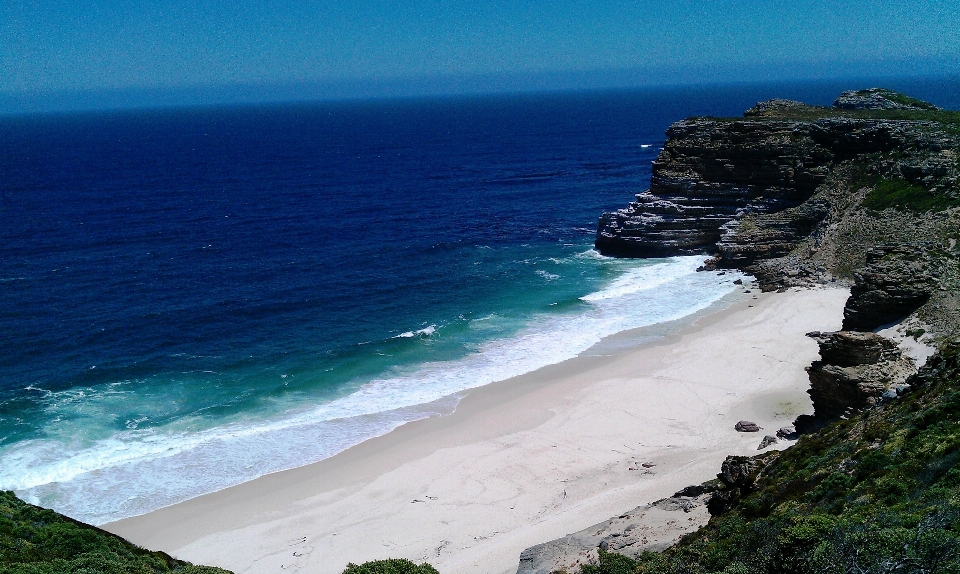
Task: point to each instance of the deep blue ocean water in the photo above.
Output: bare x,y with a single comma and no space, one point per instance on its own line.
190,298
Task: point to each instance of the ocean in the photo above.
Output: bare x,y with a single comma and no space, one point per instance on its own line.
191,298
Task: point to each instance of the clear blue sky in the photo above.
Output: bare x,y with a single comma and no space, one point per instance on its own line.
267,48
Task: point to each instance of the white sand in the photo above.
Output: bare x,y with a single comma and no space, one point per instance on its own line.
522,461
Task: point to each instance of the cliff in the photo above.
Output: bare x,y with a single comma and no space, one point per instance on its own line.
864,192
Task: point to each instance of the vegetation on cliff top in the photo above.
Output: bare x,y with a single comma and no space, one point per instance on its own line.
901,194
798,111
879,492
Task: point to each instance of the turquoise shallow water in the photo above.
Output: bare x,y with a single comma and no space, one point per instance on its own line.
193,298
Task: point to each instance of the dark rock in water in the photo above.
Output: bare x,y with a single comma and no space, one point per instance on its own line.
855,370
879,99
747,426
895,282
767,441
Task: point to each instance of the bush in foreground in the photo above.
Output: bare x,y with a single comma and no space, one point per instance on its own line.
390,566
35,540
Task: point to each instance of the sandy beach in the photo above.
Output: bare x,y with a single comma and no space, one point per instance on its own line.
522,461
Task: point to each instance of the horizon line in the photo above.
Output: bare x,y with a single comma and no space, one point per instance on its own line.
429,87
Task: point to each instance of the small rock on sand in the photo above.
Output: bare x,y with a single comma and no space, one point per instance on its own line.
747,426
767,441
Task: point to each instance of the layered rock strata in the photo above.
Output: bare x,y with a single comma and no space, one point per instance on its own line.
855,370
710,172
893,284
714,175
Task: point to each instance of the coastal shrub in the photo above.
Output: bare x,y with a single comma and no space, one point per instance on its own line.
877,492
610,563
901,194
390,566
35,540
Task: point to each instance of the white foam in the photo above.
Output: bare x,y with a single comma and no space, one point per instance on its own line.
163,465
645,278
547,275
425,332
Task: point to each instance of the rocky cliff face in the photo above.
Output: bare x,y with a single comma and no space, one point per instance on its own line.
894,283
714,172
866,193
855,371
710,172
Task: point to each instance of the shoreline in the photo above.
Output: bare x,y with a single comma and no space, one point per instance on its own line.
520,461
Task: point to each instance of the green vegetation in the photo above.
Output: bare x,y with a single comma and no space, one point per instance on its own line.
391,566
899,193
949,119
35,540
899,98
879,492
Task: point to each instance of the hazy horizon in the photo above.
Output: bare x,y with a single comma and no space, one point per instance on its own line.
60,56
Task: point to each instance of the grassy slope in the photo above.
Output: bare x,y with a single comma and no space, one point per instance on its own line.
35,540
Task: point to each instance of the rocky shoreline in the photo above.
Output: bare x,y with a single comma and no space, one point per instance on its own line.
862,194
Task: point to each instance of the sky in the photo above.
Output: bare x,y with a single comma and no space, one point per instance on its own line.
63,53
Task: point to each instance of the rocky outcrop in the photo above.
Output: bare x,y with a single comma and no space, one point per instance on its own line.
894,283
878,99
713,175
738,475
651,527
854,371
796,194
747,240
710,172
768,440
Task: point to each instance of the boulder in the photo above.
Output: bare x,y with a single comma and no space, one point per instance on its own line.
746,426
767,441
787,433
